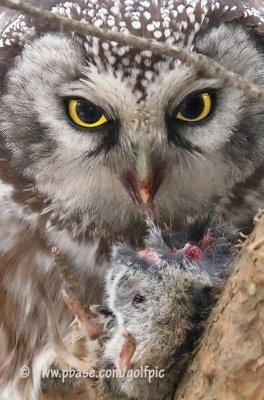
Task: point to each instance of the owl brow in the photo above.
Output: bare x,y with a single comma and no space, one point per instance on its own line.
75,90
197,86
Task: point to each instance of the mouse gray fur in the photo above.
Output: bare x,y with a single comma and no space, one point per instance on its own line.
157,302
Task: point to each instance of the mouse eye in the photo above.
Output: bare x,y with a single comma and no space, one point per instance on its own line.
138,299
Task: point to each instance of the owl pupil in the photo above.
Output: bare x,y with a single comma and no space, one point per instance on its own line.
88,112
192,107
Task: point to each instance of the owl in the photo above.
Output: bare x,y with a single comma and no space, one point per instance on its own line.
95,136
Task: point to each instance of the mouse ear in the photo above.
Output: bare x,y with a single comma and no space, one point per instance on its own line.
127,351
90,328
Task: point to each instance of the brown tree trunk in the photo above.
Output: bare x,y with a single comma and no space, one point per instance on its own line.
229,364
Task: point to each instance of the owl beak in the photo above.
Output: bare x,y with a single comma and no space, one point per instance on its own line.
143,184
144,192
143,175
139,190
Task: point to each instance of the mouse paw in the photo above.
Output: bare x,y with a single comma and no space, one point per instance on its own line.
127,351
89,327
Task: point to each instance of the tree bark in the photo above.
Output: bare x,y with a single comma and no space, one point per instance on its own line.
229,364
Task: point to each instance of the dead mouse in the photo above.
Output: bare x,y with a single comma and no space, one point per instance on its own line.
157,300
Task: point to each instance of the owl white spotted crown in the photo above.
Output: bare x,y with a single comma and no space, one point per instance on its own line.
176,22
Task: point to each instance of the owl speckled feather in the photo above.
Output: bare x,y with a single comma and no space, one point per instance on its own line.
94,136
173,22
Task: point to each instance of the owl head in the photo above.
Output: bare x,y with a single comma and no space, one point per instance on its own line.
108,134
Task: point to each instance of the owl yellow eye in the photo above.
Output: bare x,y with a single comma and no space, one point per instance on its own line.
86,114
195,107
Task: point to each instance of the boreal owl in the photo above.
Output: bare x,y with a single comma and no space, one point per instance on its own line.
95,135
